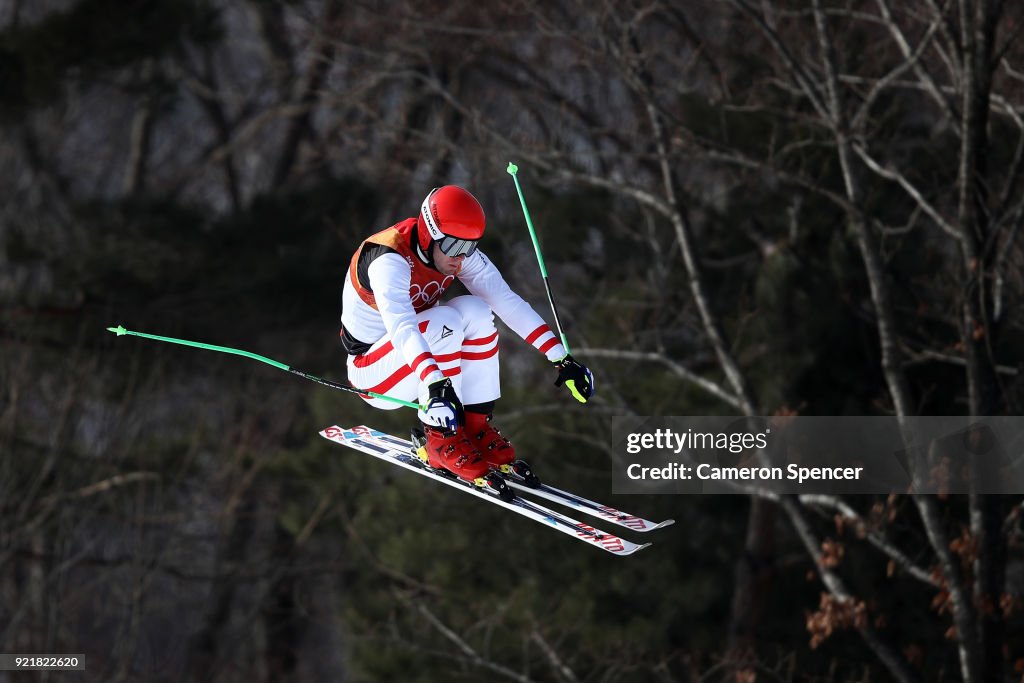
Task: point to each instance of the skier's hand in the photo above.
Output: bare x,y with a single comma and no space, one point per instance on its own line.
442,407
576,376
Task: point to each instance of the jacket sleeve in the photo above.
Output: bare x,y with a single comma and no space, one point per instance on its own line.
390,278
482,279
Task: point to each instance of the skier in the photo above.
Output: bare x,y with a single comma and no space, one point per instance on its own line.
402,342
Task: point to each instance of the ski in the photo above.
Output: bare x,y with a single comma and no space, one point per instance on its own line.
399,452
550,493
605,512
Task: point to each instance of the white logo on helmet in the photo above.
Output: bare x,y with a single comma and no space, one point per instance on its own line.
428,218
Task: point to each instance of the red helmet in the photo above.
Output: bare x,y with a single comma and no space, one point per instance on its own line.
452,216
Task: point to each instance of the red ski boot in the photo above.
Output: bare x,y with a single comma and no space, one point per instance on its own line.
496,449
452,451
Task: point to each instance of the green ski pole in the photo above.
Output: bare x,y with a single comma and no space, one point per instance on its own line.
121,331
512,170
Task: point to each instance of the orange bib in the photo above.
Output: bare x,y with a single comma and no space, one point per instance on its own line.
426,286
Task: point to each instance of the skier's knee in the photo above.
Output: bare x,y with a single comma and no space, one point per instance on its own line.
444,329
446,315
474,310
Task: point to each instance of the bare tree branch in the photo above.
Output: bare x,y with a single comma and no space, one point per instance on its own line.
894,663
707,385
557,664
874,537
468,652
922,75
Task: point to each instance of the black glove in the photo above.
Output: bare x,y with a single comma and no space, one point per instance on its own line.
576,377
442,409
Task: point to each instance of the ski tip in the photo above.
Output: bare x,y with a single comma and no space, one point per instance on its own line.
512,168
635,549
662,525
119,331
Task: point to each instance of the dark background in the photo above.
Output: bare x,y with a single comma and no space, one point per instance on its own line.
764,208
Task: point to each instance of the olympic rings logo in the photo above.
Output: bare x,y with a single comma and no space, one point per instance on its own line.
429,293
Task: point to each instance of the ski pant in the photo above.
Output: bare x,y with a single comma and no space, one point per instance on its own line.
462,339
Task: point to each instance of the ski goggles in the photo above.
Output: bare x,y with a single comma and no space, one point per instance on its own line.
456,246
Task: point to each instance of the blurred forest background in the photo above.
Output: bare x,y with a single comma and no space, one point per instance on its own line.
747,207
